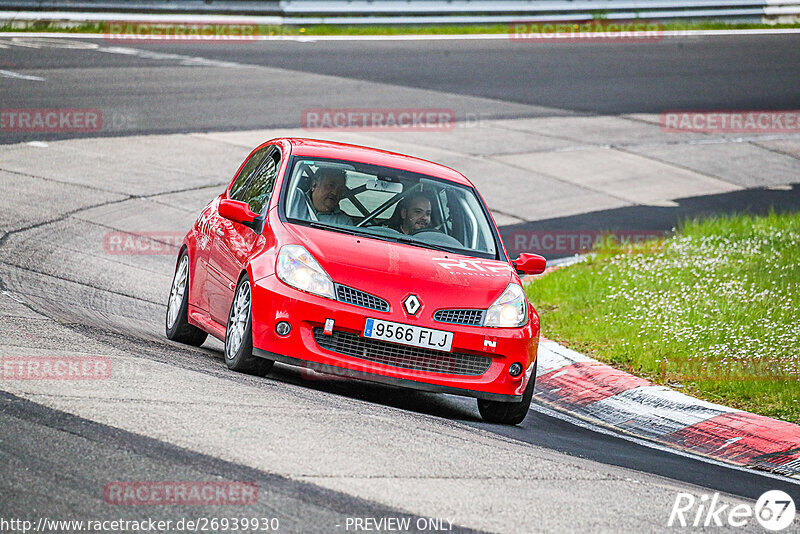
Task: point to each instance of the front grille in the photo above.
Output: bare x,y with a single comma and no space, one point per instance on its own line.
402,356
360,298
468,317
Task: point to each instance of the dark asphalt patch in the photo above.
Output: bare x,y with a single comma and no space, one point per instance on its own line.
81,456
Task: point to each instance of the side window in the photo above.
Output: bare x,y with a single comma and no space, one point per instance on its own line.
239,185
258,187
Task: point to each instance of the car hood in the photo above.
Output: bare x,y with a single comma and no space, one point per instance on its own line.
392,271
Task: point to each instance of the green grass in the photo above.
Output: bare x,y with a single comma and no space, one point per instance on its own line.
366,29
712,310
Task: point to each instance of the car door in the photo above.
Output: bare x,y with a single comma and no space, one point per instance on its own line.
215,286
233,243
199,258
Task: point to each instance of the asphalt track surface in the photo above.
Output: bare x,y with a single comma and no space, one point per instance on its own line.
514,79
61,456
690,73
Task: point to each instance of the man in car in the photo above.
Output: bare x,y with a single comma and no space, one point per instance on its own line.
415,213
326,191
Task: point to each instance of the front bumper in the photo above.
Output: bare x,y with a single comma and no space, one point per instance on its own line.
498,348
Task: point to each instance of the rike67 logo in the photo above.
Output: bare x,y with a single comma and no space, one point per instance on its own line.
774,510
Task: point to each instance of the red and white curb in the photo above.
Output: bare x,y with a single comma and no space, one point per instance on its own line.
600,394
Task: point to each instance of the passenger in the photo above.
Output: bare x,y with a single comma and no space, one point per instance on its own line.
413,214
326,191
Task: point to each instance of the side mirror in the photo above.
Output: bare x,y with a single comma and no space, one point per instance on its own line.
530,264
239,212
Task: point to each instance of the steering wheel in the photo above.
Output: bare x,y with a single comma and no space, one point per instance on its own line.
437,228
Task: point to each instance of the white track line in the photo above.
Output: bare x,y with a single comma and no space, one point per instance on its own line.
546,37
18,76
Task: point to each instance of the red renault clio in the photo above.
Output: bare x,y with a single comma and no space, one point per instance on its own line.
362,263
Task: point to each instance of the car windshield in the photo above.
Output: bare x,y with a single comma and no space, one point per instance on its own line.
389,204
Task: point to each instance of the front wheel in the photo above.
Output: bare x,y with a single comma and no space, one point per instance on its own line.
177,320
508,413
239,334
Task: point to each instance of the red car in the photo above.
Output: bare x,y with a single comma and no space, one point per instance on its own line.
362,263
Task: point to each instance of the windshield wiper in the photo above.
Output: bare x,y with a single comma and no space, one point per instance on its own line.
399,239
337,229
418,243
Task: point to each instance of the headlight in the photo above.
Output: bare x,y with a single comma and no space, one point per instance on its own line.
510,310
298,268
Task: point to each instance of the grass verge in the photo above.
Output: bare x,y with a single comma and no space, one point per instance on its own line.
713,310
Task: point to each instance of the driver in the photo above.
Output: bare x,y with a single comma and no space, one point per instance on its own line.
326,191
415,213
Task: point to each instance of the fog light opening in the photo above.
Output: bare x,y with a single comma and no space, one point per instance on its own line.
283,328
515,369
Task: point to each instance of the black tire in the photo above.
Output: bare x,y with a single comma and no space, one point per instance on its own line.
509,413
180,330
241,358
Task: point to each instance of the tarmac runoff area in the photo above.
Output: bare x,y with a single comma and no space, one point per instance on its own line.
67,291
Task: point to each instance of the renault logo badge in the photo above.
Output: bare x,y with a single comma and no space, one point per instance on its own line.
412,304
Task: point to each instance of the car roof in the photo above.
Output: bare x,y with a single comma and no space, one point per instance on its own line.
362,154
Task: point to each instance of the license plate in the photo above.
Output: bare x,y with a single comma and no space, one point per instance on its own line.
406,334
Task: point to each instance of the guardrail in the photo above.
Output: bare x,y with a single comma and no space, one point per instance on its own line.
254,7
291,12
